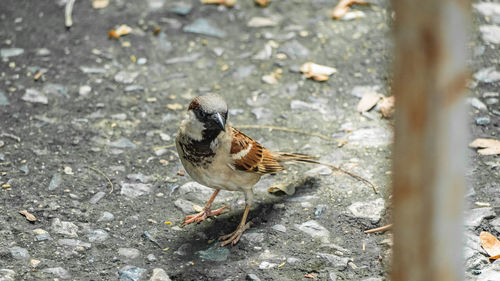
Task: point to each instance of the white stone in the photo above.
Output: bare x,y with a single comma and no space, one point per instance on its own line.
370,210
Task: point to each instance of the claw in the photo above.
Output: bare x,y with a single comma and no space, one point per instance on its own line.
235,236
203,215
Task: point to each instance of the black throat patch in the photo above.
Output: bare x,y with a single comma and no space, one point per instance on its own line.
200,153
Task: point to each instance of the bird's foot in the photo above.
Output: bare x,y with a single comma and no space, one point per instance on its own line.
235,236
203,215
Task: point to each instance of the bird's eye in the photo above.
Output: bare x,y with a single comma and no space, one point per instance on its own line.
201,114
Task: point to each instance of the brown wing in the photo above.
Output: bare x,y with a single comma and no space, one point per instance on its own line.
249,155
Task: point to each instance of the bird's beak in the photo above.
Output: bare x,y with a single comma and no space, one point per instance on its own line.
220,121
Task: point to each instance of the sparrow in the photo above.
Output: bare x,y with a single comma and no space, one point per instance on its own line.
220,157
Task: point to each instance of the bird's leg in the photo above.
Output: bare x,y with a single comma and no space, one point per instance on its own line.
206,212
235,236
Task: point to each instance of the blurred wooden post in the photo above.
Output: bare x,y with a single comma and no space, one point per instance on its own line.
430,138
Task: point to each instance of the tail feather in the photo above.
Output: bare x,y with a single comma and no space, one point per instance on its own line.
295,157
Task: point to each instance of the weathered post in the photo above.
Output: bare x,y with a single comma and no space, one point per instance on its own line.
430,138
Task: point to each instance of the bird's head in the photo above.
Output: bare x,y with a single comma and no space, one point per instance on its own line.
206,117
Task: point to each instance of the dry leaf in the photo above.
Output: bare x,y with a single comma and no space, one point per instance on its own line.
174,106
487,146
490,243
100,4
343,7
262,3
28,215
228,3
316,71
112,34
368,101
387,106
120,31
288,189
495,257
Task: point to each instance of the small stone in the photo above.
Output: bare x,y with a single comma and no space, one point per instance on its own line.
74,243
106,217
477,104
11,52
97,197
294,49
335,261
97,235
33,263
492,101
139,178
202,26
490,33
133,88
262,113
184,205
279,227
142,61
487,74
126,77
370,209
58,271
318,211
252,277
197,192
473,217
292,260
482,121
25,169
261,22
214,253
122,143
267,265
218,51
155,5
55,181
65,228
314,229
19,253
243,72
34,96
131,273
119,116
3,99
7,274
253,237
151,258
182,9
159,275
55,89
264,54
129,253
183,250
134,190
41,235
92,70
84,90
42,52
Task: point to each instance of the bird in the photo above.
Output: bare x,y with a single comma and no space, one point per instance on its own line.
219,156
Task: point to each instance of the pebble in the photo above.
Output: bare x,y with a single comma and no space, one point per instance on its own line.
84,90
372,210
265,53
267,265
65,228
151,258
11,52
155,5
58,271
182,9
195,191
253,237
19,253
473,217
3,99
97,235
314,229
7,274
122,143
335,261
477,104
243,72
184,205
252,277
55,89
55,182
371,137
483,120
126,77
25,169
97,197
294,49
318,211
74,243
262,113
139,177
261,22
34,96
487,75
134,190
492,101
490,33
133,88
203,26
34,263
129,253
41,235
279,227
92,70
42,52
183,250
131,273
106,217
214,253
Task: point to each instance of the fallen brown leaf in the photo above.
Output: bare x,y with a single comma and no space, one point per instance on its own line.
262,3
316,71
228,3
490,243
309,275
368,101
487,146
174,106
387,105
100,4
28,215
343,7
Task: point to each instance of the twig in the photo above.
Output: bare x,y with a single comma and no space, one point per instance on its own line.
156,148
375,189
286,130
14,137
67,13
104,175
378,229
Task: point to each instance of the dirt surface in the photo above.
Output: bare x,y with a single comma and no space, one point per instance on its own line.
108,109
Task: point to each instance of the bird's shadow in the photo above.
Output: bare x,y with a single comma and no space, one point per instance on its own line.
203,235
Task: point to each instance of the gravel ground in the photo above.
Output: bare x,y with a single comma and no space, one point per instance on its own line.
87,125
